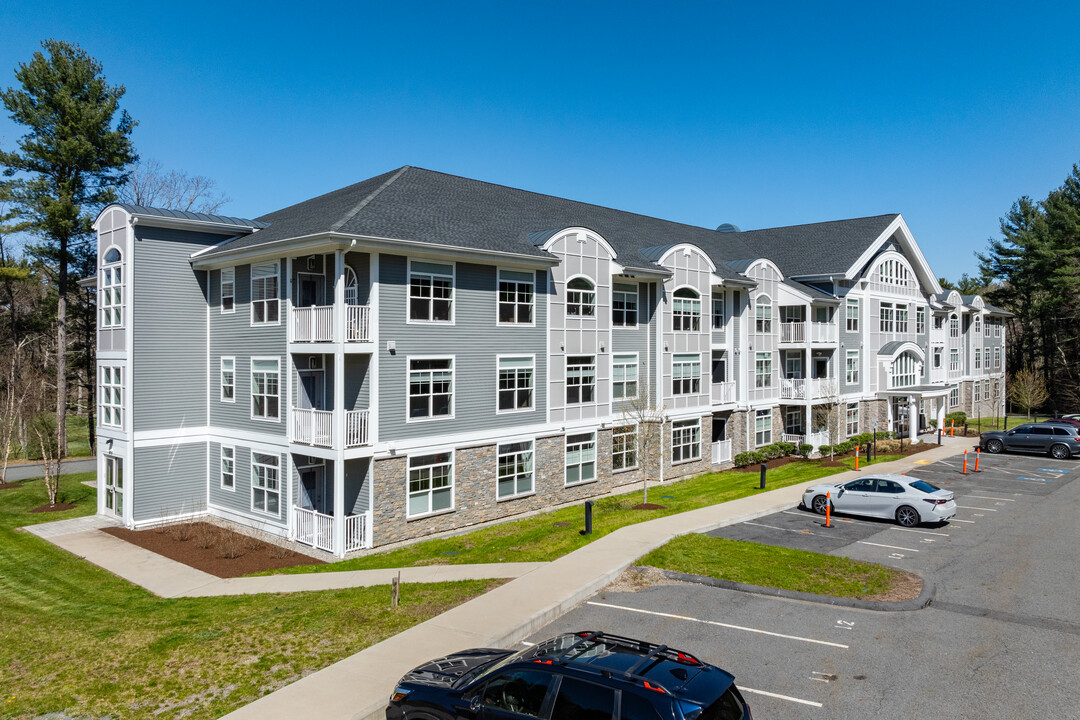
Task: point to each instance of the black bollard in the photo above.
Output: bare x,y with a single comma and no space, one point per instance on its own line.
939,436
867,453
764,467
965,429
588,519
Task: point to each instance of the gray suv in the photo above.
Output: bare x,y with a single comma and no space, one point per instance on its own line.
1059,440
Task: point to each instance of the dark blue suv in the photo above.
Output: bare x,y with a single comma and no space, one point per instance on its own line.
577,676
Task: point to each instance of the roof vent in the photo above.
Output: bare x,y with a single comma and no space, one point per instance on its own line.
728,227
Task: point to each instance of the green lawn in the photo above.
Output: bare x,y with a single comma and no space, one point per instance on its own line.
77,639
770,566
538,539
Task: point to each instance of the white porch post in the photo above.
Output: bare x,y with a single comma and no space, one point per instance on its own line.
941,412
339,403
913,417
808,425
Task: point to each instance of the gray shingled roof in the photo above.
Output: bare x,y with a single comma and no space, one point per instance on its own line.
185,215
891,347
813,292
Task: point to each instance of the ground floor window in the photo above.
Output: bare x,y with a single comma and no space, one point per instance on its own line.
624,447
228,469
580,458
852,419
431,483
762,427
793,421
265,488
515,469
954,396
685,440
976,387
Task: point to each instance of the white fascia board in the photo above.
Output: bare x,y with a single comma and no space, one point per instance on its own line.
907,241
186,224
731,282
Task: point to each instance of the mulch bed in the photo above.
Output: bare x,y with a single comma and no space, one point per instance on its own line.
53,508
9,486
207,546
777,462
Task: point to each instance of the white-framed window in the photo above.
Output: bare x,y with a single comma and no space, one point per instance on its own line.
954,326
685,440
265,388
581,298
997,327
517,297
431,388
624,311
265,487
763,427
954,396
986,327
852,313
852,367
938,354
228,468
978,358
976,387
580,458
515,383
624,376
686,310
431,484
112,396
920,320
763,370
264,294
685,374
895,272
939,322
997,358
227,285
515,470
986,390
580,379
112,290
978,324
228,379
852,419
431,292
763,315
887,320
624,447
718,317
901,318
904,372
954,358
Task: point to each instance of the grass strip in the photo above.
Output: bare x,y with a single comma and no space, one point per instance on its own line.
771,566
544,537
76,639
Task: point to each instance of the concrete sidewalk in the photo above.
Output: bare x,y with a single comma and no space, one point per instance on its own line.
357,688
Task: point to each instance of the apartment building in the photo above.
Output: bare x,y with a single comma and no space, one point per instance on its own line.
420,352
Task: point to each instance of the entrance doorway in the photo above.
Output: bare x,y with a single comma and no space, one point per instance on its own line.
309,290
900,416
309,391
114,486
313,495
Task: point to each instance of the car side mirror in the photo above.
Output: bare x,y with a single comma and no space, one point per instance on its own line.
839,492
1012,432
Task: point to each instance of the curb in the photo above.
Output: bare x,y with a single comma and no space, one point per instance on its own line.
925,597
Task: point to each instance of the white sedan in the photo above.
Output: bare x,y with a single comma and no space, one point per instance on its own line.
906,499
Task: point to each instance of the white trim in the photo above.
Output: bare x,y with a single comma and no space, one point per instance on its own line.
408,385
923,272
611,377
321,277
498,279
576,230
453,292
221,290
566,299
453,484
515,495
700,440
595,459
221,378
637,447
252,322
253,487
686,247
498,369
251,389
637,305
221,467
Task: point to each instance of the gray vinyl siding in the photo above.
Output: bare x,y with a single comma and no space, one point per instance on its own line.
850,341
638,340
474,341
239,499
168,480
357,495
357,385
170,329
231,334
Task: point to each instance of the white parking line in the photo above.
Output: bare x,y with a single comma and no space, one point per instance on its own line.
921,532
952,520
811,703
969,507
718,624
773,527
891,547
983,497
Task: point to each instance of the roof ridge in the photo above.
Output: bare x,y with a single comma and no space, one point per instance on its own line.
820,222
363,203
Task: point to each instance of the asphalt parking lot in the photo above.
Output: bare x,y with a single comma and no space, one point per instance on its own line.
1001,638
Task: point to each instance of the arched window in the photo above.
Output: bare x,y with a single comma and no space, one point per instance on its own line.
686,310
954,326
763,315
895,272
112,290
905,371
580,298
352,292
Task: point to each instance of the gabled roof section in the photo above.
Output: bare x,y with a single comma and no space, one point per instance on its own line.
184,215
812,292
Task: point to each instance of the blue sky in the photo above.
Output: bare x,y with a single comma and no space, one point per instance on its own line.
758,114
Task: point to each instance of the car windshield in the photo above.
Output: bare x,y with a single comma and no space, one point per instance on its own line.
726,707
553,646
924,486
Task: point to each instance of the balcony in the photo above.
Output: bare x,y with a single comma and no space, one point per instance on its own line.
316,427
315,324
823,332
793,332
721,452
802,388
723,392
793,388
317,530
819,332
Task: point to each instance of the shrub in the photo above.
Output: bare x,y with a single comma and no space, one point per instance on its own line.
805,449
959,418
771,452
743,459
786,448
824,449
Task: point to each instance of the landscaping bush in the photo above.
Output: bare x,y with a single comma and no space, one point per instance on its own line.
786,448
805,449
959,418
824,449
743,459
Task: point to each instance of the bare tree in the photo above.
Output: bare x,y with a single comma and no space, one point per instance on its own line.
150,186
643,411
14,399
1027,388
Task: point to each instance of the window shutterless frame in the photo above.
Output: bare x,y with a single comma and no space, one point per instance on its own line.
228,379
515,298
429,485
685,440
515,464
228,468
430,377
624,376
624,306
266,389
111,396
227,287
265,293
431,293
624,447
515,383
266,483
580,458
111,294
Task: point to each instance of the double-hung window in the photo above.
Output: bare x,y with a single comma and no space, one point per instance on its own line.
516,297
901,318
763,370
904,371
265,488
228,379
686,310
623,447
431,292
580,379
852,311
920,321
515,383
685,440
431,484
763,316
986,327
954,359
954,396
937,356
112,290
431,388
887,321
624,312
976,387
228,467
978,358
580,298
852,419
977,330
228,290
264,294
624,376
997,358
997,328
852,367
112,394
685,374
265,388
580,458
763,427
515,469
954,326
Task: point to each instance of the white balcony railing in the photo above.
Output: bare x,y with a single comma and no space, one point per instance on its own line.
355,532
793,332
792,388
792,438
723,392
356,428
312,427
314,528
721,452
313,324
357,323
823,332
823,387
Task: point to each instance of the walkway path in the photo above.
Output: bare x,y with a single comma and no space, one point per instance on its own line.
25,471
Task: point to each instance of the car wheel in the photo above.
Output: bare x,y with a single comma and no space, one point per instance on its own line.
907,516
819,503
994,446
1059,452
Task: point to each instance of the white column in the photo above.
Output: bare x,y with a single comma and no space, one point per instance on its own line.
339,403
913,418
941,412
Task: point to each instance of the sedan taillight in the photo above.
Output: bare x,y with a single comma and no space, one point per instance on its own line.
935,501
